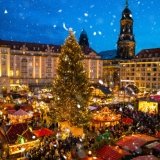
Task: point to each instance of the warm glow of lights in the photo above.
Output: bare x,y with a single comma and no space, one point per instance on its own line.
40,67
148,107
139,63
11,73
89,152
101,82
0,65
97,73
34,67
8,63
89,66
17,73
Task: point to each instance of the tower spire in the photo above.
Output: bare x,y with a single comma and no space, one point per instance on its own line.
126,3
126,41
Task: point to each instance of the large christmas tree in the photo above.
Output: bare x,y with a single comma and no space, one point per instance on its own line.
71,86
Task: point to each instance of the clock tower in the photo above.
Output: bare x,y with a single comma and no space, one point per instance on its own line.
126,41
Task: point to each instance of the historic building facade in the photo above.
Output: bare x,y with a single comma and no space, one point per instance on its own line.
142,71
35,64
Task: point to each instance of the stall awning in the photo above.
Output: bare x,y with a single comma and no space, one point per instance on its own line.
91,158
20,112
157,134
43,132
127,121
155,145
134,142
147,157
111,153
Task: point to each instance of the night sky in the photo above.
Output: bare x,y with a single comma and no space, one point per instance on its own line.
47,21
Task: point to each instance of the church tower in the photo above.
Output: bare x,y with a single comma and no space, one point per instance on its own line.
126,42
83,39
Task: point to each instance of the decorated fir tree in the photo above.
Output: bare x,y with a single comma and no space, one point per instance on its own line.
71,86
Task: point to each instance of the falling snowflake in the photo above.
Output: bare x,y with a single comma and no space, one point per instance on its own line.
86,14
114,16
94,33
154,23
79,19
54,26
99,32
138,2
60,10
111,24
92,6
114,30
90,26
5,11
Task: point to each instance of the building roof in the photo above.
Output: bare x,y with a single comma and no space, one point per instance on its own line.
26,46
149,53
87,50
18,129
15,45
104,89
109,54
126,11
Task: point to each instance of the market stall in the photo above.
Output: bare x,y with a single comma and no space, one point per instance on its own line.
19,116
20,148
148,107
105,117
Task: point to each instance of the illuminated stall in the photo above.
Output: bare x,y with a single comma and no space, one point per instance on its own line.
105,117
148,107
22,147
19,116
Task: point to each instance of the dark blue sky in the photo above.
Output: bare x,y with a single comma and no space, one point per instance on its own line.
46,21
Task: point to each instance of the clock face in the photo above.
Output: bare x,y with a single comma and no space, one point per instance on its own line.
130,15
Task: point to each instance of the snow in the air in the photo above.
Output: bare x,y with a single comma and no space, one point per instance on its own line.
5,11
94,33
60,10
99,32
139,2
111,23
86,14
49,22
92,6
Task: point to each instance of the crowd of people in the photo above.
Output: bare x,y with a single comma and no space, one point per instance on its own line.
142,122
52,148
